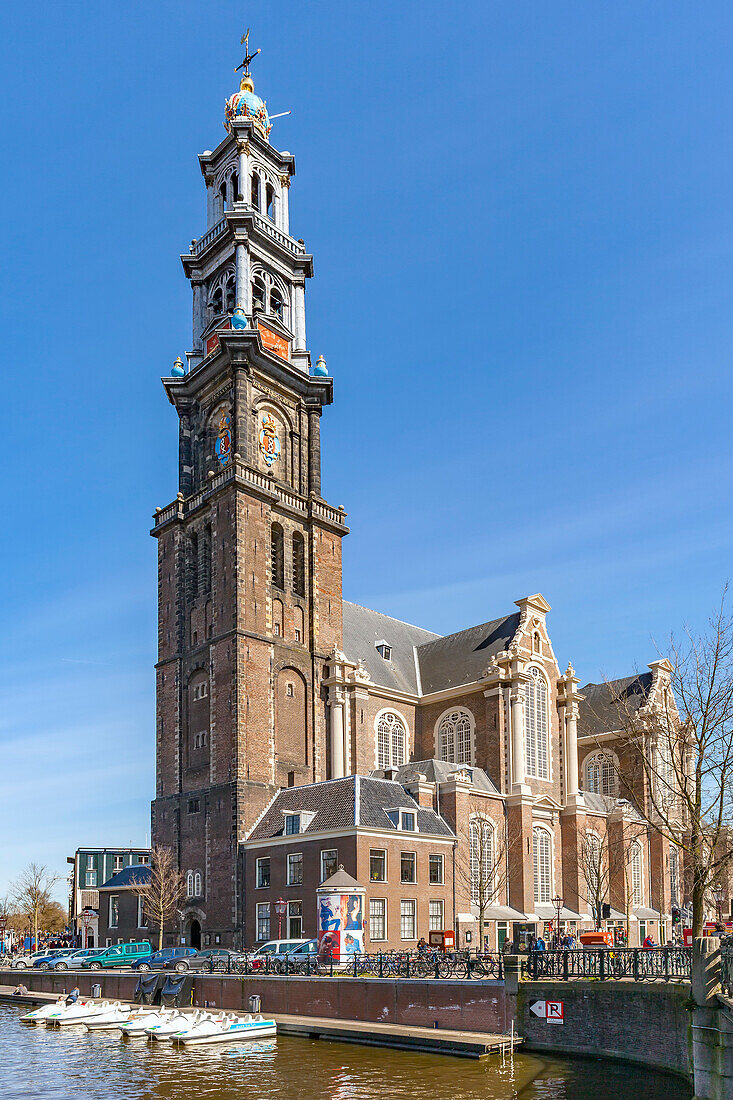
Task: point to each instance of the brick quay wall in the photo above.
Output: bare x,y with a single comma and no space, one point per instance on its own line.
644,1023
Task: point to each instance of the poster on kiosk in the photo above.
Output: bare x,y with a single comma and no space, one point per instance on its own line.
340,922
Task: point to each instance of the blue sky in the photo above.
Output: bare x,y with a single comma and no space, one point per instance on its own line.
522,223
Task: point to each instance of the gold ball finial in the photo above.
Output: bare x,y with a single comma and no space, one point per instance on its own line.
246,84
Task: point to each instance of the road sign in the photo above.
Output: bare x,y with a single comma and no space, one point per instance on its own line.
552,1012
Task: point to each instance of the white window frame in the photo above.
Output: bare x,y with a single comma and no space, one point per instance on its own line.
436,915
476,858
383,852
295,916
141,920
446,736
538,871
379,917
114,906
636,874
198,885
189,884
537,754
392,758
258,885
408,911
409,881
600,773
262,911
328,852
290,856
441,862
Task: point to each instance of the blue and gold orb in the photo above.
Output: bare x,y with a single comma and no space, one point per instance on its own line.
245,104
320,370
178,370
239,318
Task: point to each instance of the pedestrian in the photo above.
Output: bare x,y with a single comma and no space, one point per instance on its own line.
422,945
73,997
20,991
648,941
539,944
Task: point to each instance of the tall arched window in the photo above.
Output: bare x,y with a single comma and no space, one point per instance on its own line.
197,885
454,737
674,876
391,739
254,194
542,865
298,564
636,879
536,726
269,295
481,848
591,858
600,774
189,885
277,556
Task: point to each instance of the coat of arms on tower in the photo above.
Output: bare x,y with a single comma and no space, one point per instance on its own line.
223,444
269,442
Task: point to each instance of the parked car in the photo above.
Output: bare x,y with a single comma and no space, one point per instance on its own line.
43,962
215,958
122,954
74,960
21,962
276,949
157,960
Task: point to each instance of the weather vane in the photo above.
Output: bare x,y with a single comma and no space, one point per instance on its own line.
247,55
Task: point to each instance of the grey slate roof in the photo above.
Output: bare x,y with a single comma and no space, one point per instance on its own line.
343,803
422,662
461,658
439,771
363,628
602,709
138,872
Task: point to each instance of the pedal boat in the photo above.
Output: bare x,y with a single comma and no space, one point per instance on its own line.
141,1019
39,1015
76,1013
226,1029
116,1014
162,1031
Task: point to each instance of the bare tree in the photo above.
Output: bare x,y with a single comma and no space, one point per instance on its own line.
682,740
161,893
31,894
483,869
594,866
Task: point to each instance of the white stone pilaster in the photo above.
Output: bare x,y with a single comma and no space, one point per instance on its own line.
299,319
337,735
242,277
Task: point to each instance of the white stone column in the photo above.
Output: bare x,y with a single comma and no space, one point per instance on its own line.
198,315
210,212
337,735
517,715
571,748
243,169
242,276
284,222
299,319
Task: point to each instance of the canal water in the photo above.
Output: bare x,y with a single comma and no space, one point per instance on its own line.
72,1064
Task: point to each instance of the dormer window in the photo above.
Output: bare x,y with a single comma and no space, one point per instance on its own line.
384,650
405,820
296,823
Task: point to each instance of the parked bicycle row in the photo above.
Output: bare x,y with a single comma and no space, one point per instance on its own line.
671,963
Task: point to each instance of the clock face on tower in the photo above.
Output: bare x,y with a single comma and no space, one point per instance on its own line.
269,439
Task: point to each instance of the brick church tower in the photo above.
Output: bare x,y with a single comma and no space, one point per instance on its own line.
249,553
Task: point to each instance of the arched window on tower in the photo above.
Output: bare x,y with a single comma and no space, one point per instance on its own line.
270,201
235,185
230,293
254,192
298,564
223,195
189,885
197,885
391,739
277,556
454,737
217,301
299,625
542,865
259,295
192,565
276,302
536,726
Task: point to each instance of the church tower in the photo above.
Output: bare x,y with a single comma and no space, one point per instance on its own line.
249,553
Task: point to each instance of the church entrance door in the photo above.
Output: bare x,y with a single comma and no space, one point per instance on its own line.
195,935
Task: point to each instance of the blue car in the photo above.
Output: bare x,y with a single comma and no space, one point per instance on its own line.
45,962
158,960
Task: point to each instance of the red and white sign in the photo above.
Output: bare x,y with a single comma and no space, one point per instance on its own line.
552,1012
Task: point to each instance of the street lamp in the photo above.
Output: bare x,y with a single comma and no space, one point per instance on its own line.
87,916
557,903
280,908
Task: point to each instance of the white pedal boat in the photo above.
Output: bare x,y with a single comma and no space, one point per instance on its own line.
226,1029
111,1018
164,1030
38,1015
76,1013
142,1018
